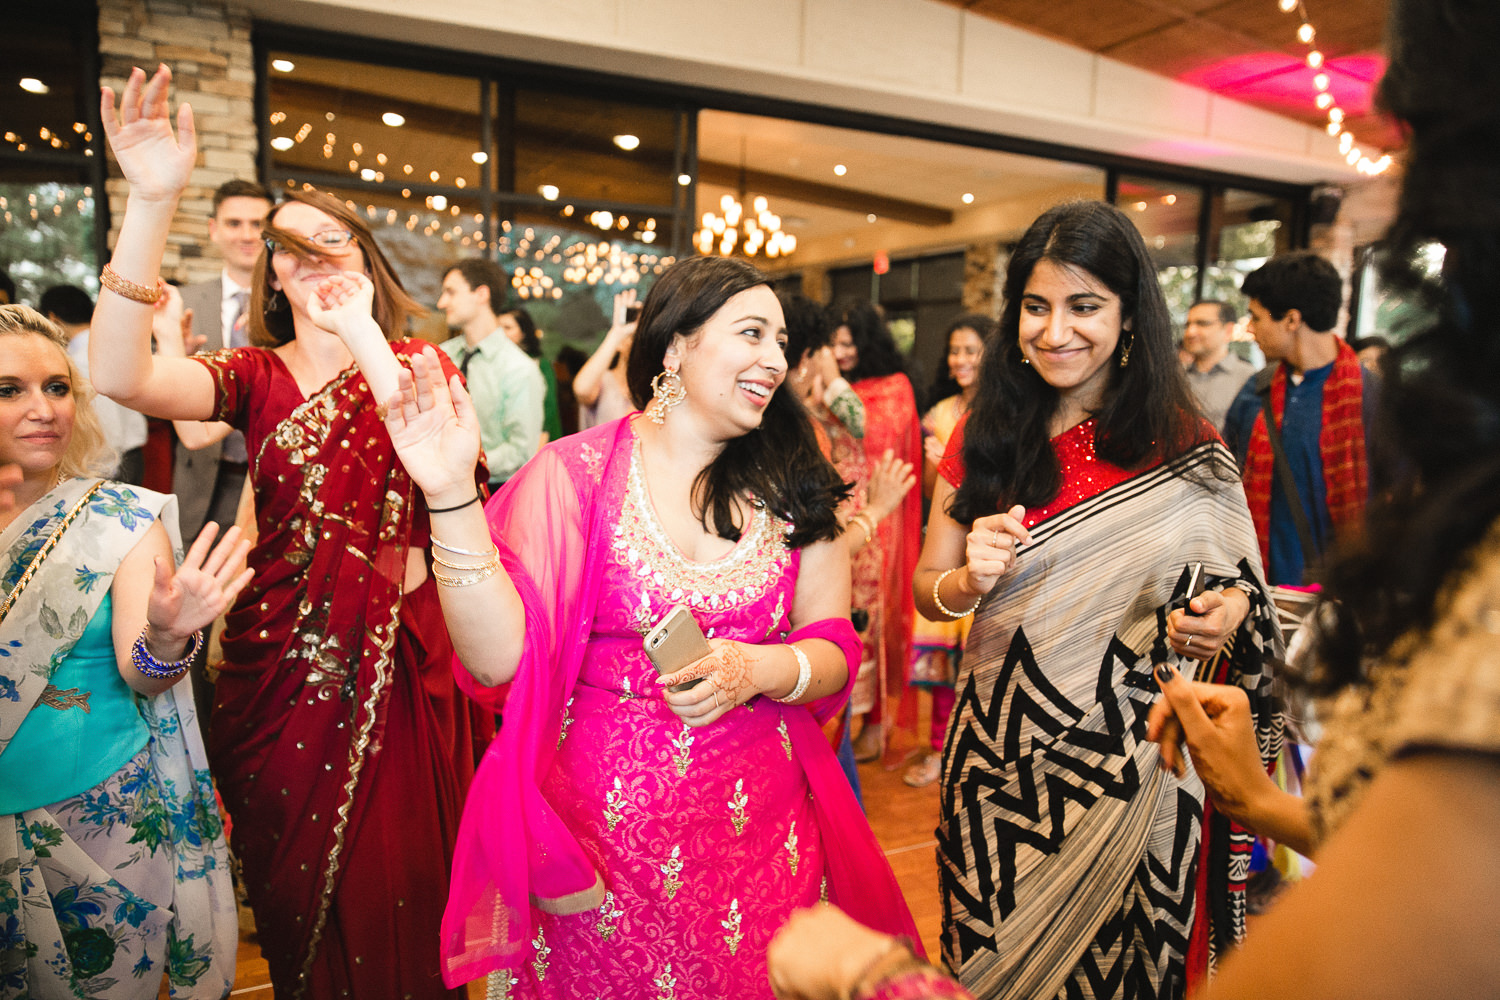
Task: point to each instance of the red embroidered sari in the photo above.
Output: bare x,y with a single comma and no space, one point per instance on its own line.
891,422
339,739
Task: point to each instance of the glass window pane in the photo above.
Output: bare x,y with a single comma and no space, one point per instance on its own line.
373,123
1246,229
1166,213
591,149
47,235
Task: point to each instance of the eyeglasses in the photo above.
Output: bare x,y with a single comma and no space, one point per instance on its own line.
328,239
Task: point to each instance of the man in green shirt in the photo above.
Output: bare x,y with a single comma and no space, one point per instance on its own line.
505,383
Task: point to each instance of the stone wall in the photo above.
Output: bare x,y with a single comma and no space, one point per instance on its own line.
984,277
207,47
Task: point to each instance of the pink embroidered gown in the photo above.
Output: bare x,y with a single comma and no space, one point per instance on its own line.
705,837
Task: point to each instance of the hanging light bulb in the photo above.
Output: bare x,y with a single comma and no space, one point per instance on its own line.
1305,33
1314,59
1287,6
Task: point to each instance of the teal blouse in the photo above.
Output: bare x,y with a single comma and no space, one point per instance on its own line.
85,728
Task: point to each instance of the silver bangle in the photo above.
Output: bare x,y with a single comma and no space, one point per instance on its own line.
804,676
458,551
938,600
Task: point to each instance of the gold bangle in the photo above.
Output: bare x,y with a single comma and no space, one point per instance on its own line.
938,600
493,559
864,521
127,289
444,580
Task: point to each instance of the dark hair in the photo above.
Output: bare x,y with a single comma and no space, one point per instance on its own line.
271,316
69,303
1372,340
943,383
808,327
1227,312
878,354
1147,413
780,464
7,288
1300,280
480,272
1439,416
531,343
239,189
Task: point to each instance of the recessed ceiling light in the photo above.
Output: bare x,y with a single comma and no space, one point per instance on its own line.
32,85
627,142
840,170
480,157
968,198
683,180
283,143
283,65
871,217
392,119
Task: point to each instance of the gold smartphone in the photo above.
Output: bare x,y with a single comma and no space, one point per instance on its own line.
675,642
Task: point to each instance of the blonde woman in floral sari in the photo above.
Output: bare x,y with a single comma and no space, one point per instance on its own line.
113,867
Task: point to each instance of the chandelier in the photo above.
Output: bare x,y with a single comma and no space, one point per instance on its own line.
736,230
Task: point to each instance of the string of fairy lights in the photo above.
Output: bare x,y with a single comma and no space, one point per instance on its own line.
1356,157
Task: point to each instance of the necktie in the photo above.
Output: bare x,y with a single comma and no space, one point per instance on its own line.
238,336
463,361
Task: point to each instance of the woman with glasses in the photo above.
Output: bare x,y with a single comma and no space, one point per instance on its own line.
339,740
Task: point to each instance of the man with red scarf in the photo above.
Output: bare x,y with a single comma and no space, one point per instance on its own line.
1321,400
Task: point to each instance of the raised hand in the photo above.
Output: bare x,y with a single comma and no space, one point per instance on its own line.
156,162
434,430
890,480
991,548
343,304
202,588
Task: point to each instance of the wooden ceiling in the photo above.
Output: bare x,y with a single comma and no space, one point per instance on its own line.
1243,49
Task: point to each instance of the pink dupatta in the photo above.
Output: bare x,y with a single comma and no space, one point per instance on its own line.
552,522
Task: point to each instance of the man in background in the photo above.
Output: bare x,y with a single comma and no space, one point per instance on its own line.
1216,374
1321,400
208,482
71,309
503,380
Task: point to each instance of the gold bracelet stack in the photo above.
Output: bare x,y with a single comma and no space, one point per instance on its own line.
469,573
938,600
127,289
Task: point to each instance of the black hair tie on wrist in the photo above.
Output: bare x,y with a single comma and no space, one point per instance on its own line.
446,510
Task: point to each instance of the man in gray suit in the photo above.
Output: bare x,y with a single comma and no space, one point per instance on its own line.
208,481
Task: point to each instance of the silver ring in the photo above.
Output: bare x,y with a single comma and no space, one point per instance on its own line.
996,540
716,697
1188,642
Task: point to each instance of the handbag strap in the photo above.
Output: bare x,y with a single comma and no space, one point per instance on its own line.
46,549
1284,473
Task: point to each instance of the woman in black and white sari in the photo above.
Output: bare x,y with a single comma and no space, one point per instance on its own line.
1070,509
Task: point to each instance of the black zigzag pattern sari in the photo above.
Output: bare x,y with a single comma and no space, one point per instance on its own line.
1069,859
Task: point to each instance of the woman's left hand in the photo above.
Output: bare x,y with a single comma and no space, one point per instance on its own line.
203,587
1214,617
343,303
732,674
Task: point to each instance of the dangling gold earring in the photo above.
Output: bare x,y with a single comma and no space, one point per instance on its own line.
667,391
1125,352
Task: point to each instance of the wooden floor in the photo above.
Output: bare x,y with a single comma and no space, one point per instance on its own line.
903,820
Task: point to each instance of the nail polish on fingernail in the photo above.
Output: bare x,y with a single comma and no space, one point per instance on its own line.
1164,672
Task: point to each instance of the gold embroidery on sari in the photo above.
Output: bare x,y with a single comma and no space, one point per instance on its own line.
608,914
55,697
737,803
732,925
791,847
614,803
684,745
497,985
666,984
542,951
672,870
786,737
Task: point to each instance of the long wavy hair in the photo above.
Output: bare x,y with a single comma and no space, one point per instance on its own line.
1147,413
778,464
943,383
270,315
531,341
1439,416
878,353
88,452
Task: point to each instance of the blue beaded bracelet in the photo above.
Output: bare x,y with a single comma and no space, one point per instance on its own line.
142,660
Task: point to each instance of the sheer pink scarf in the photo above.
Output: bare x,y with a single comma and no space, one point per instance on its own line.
552,523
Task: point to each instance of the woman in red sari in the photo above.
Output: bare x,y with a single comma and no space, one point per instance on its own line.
869,359
339,740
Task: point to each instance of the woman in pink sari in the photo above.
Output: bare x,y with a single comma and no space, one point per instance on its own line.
623,838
